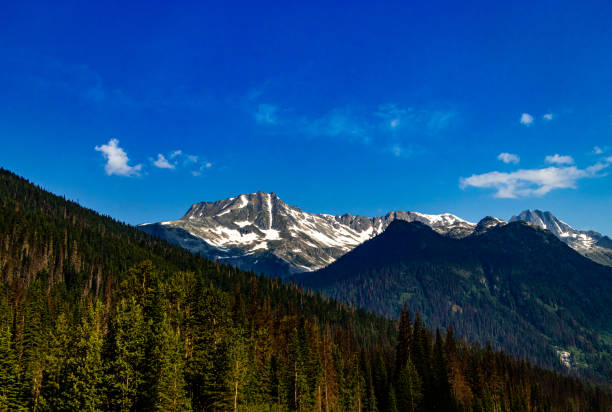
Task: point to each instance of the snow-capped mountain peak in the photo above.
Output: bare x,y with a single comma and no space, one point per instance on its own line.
259,231
589,243
256,223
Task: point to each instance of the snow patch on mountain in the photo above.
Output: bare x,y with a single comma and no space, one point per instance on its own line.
591,244
261,227
261,222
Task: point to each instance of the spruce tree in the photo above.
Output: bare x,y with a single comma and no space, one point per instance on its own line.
129,332
409,388
171,392
9,373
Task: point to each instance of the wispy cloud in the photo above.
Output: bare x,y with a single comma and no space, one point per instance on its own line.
533,182
266,114
117,161
548,116
386,128
203,167
597,150
79,80
429,121
559,160
179,159
509,158
162,162
338,123
526,119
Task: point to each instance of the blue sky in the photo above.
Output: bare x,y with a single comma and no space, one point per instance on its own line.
472,108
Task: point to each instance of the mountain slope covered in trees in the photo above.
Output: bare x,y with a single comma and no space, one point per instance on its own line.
516,285
97,315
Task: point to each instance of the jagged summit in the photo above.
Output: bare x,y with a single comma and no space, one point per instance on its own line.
258,231
486,224
589,243
256,224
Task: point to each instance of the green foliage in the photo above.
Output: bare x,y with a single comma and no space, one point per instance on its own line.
9,373
171,387
409,388
96,315
516,286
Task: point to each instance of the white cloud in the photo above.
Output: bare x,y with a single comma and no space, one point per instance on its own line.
509,158
526,119
179,159
117,160
432,121
204,166
163,163
597,150
266,114
533,182
559,160
548,117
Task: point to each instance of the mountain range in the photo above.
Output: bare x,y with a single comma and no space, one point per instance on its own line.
260,232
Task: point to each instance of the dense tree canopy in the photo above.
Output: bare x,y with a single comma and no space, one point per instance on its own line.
96,315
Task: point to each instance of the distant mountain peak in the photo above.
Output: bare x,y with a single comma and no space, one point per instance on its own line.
487,223
254,224
591,244
257,227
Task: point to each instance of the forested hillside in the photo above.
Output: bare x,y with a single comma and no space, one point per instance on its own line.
515,285
97,315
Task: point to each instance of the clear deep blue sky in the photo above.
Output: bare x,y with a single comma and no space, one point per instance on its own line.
361,107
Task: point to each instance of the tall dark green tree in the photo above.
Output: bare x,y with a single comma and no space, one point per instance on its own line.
409,388
171,389
9,373
129,332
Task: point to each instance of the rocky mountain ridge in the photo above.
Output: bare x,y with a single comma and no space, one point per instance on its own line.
260,232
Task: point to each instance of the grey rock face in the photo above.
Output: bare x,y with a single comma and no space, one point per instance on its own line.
260,232
486,224
589,243
259,226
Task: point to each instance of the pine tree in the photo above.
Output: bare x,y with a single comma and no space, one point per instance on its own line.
54,387
9,373
409,388
171,393
35,339
85,371
129,331
443,399
459,387
392,399
404,337
207,364
381,384
238,368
